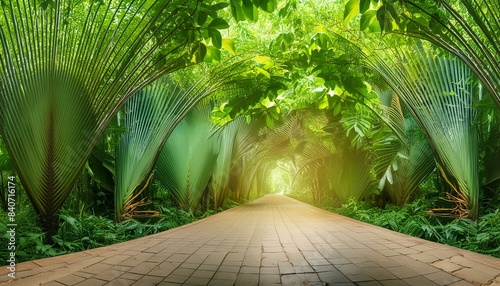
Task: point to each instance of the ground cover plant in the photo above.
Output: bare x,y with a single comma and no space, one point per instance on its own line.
481,235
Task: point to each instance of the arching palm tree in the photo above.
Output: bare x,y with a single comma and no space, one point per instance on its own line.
439,94
186,162
66,68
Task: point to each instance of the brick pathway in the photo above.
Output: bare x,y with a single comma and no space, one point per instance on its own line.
274,240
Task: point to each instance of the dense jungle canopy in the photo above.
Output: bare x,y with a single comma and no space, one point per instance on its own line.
135,110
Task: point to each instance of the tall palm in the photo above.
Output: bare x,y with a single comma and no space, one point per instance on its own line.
469,29
402,159
150,116
439,94
186,161
66,68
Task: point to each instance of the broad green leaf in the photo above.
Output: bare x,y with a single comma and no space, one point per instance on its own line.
216,37
269,121
323,104
220,6
381,17
250,10
337,108
237,10
202,18
364,5
268,5
218,23
351,10
200,53
228,45
213,55
367,19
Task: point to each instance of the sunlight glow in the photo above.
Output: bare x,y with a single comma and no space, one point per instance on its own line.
280,178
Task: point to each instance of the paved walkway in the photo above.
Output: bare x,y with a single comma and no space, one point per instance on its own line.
274,240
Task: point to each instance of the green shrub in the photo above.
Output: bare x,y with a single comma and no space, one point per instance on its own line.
482,236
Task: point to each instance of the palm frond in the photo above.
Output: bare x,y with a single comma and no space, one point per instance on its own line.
186,161
150,116
403,159
350,175
439,94
470,32
236,138
66,68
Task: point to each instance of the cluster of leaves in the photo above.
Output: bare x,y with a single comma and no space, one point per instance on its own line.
482,236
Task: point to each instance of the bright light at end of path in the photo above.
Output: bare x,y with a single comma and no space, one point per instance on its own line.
280,178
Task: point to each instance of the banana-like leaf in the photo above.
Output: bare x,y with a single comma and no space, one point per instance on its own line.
66,68
187,159
439,94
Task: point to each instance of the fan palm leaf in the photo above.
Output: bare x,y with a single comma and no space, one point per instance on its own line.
439,94
150,116
234,140
186,161
469,29
66,68
403,159
350,174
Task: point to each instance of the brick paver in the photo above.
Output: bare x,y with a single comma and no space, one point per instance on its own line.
274,240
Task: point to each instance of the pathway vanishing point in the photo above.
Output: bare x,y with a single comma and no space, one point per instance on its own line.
274,240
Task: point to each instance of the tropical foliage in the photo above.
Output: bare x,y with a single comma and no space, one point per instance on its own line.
69,66
136,116
185,169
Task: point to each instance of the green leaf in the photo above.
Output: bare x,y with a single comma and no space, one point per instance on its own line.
364,5
268,5
381,17
218,23
269,121
202,18
250,10
323,104
367,19
337,108
388,175
393,12
219,6
213,55
351,10
200,53
228,45
237,10
216,37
